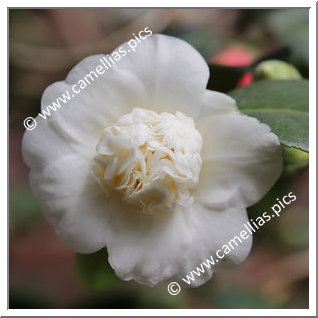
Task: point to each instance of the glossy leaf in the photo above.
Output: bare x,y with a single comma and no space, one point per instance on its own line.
282,105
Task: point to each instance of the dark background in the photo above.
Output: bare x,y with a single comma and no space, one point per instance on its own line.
44,45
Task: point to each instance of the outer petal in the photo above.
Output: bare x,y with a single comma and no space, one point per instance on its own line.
72,202
154,248
211,230
174,74
241,160
216,103
44,145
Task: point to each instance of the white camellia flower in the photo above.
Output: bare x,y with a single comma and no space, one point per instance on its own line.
148,163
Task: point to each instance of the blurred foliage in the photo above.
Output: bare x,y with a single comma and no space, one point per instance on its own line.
281,54
236,298
291,27
295,159
24,208
94,271
132,298
206,41
20,298
294,231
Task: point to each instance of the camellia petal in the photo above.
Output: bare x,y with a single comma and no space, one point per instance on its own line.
242,160
213,231
153,63
73,203
155,248
215,103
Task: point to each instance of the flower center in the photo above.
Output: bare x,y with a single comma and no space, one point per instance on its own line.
151,159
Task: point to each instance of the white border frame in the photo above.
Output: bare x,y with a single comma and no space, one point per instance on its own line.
312,155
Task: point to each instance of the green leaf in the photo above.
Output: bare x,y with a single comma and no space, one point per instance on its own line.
94,272
282,105
295,159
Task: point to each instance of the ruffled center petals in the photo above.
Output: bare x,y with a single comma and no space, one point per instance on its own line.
151,160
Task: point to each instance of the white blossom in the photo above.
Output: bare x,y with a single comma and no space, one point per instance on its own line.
149,164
